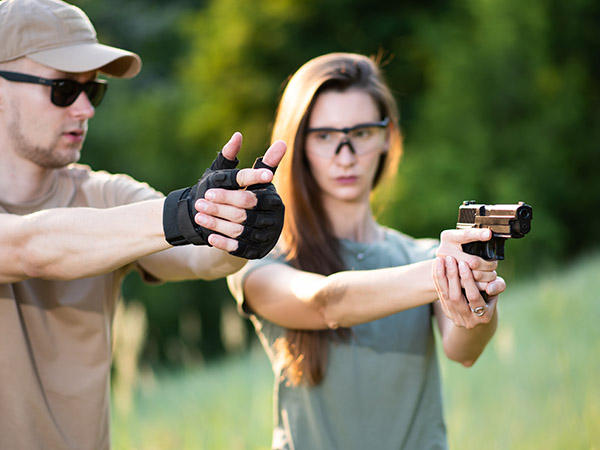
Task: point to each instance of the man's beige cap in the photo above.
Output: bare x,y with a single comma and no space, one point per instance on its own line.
60,36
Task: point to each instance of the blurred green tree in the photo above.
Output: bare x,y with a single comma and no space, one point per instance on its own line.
242,53
509,114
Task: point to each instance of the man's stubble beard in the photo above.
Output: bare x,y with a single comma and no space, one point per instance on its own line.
44,156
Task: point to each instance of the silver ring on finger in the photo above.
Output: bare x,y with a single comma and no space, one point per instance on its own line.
479,311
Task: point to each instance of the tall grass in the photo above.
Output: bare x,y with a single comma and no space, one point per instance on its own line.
537,386
224,405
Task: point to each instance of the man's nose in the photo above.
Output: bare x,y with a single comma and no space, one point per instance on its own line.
82,107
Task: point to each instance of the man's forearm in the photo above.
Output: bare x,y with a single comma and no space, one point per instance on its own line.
70,243
191,262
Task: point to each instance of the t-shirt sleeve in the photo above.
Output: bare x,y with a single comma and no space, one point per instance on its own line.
105,190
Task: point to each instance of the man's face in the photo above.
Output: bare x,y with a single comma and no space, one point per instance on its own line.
36,129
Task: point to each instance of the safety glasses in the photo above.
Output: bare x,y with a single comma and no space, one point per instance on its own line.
361,139
63,92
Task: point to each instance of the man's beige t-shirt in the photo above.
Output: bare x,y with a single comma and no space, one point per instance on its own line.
55,350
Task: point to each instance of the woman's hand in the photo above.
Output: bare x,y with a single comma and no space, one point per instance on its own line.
459,293
484,272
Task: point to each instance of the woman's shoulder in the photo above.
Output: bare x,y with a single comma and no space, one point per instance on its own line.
421,248
235,281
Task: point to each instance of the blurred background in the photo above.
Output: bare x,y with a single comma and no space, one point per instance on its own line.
500,103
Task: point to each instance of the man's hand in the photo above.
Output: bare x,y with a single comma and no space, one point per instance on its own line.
248,222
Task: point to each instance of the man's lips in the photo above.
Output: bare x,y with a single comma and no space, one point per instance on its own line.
74,135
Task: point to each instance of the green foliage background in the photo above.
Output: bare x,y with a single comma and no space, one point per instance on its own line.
500,102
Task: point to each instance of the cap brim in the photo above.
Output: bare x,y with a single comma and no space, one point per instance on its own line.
78,58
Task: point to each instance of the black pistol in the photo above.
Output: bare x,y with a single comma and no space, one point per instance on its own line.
505,222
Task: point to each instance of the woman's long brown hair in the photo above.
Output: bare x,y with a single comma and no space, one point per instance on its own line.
307,238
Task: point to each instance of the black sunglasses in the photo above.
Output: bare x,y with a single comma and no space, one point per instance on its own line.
65,91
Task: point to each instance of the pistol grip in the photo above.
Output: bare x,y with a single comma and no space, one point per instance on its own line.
483,294
490,250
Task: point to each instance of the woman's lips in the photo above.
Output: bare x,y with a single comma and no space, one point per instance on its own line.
346,180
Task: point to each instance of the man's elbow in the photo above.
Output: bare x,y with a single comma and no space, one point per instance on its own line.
223,269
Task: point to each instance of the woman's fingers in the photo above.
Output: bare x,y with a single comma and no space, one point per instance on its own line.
460,295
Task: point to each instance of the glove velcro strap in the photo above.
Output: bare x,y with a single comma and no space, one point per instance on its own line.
186,226
177,221
170,222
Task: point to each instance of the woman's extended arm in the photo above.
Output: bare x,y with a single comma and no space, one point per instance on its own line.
302,300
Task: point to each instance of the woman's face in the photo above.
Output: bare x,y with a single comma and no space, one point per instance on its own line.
344,163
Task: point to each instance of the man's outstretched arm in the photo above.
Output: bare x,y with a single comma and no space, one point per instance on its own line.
70,243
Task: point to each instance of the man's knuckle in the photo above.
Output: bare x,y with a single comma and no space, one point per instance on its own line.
240,216
249,200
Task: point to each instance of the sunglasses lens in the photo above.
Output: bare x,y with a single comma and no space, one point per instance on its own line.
95,91
65,92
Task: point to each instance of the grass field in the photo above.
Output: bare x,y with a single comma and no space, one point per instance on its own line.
537,386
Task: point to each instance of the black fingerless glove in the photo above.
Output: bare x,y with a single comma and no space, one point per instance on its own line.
263,223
